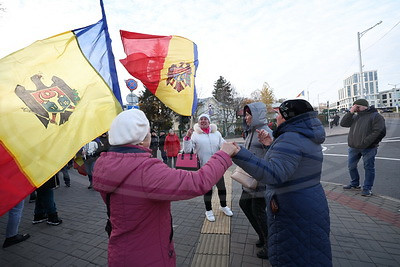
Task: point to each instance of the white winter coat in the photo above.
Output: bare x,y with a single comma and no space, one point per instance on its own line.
204,145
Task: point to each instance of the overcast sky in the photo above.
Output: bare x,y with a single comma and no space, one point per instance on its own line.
293,45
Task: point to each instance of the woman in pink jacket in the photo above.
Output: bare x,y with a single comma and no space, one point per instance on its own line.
140,190
172,145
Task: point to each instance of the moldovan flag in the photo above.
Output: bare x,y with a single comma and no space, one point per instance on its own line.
55,96
166,65
301,94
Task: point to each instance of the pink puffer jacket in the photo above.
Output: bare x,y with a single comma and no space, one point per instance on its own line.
141,190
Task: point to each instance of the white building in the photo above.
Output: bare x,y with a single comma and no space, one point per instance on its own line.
390,98
351,89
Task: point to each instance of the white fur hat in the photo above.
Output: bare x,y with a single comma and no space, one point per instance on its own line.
205,115
129,127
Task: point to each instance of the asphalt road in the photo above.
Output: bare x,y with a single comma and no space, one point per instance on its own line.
387,163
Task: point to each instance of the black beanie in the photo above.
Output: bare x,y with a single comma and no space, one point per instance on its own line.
361,102
292,108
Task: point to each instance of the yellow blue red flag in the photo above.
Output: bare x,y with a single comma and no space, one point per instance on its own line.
55,95
301,94
166,65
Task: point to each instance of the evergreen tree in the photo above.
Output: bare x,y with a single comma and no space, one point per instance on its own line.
225,93
159,115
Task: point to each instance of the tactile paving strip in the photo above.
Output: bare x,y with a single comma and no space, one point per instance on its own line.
213,246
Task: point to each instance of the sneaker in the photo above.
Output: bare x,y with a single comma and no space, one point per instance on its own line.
53,219
347,187
68,185
366,193
90,186
15,240
263,253
38,218
227,211
210,216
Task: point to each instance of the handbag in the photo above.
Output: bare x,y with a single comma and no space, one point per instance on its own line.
187,161
244,178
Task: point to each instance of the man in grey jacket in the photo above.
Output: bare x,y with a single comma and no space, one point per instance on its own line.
367,128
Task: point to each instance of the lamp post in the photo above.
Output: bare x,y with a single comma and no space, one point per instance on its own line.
359,35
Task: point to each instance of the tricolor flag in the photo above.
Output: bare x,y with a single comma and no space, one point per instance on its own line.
55,96
301,94
166,65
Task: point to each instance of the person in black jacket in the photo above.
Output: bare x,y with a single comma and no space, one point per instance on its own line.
367,128
154,144
161,141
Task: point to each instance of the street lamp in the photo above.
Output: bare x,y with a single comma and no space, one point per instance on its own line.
359,35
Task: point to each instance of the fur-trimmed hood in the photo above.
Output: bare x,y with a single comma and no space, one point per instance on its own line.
197,129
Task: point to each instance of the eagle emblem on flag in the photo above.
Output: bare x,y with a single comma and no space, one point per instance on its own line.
179,76
46,102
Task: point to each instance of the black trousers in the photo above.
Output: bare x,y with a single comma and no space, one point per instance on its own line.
221,194
254,209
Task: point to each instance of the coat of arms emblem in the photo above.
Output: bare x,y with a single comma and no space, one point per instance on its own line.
51,104
179,76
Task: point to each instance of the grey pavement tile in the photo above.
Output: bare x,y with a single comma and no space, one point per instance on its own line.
236,260
385,262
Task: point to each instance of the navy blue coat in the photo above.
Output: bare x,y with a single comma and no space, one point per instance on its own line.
299,230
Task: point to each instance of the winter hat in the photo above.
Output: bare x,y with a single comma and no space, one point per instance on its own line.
205,115
129,127
294,107
361,102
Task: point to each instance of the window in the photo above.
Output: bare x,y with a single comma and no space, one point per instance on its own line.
375,75
355,89
365,76
384,96
371,76
376,86
366,87
355,78
348,91
371,87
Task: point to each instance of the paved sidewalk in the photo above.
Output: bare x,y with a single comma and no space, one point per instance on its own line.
365,231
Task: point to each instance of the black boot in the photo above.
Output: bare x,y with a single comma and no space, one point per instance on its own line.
263,253
15,240
53,219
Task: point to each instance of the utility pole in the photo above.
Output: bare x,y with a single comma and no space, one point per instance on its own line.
359,35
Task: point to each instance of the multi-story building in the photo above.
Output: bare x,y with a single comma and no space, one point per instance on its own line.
390,98
351,89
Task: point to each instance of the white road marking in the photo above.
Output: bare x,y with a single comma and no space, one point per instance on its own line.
343,155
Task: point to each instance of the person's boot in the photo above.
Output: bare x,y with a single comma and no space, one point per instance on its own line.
15,240
263,253
53,219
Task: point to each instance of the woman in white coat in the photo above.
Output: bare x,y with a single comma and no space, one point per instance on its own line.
204,140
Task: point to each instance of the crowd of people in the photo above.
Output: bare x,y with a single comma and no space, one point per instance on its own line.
287,208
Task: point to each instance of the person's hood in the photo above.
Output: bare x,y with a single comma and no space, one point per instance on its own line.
197,129
258,115
112,168
306,124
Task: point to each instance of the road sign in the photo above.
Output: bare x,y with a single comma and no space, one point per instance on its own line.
132,99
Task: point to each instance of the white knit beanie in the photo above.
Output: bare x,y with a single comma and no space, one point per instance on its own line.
129,127
205,115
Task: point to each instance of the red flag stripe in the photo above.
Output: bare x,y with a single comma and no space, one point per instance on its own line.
14,184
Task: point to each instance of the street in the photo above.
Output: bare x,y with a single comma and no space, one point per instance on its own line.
387,163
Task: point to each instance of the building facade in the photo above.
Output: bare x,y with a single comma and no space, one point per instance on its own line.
351,89
390,98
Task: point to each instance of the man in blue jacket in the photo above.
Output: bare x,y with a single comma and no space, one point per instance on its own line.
367,128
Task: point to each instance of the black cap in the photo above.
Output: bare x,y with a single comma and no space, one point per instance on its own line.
291,108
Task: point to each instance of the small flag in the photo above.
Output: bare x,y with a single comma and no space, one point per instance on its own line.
166,65
55,96
301,94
